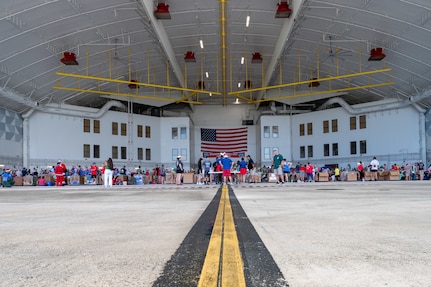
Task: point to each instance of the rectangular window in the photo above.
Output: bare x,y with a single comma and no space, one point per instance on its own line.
174,154
352,147
362,122
140,153
175,134
147,154
275,131
123,129
115,152
96,126
352,123
123,152
183,153
326,150
140,133
301,129
114,128
183,133
266,153
335,126
309,128
96,151
302,151
86,125
86,150
334,149
266,131
325,127
310,151
363,146
147,132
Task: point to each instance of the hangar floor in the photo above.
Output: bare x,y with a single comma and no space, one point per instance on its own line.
319,234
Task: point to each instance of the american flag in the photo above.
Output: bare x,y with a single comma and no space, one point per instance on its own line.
232,141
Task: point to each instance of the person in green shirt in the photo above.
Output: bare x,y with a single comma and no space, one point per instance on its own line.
278,170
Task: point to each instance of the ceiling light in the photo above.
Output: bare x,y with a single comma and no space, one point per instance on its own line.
69,58
237,101
201,43
239,84
242,60
162,11
207,75
376,54
247,21
283,10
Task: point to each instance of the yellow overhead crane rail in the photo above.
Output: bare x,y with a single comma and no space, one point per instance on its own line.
294,84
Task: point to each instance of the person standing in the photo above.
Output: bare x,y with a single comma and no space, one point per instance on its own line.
278,171
108,167
206,166
361,171
180,170
94,170
226,164
199,172
251,169
242,170
374,168
60,172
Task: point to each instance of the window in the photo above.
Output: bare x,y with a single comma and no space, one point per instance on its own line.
352,147
86,125
325,127
362,122
352,123
183,153
363,146
140,134
301,129
114,128
266,153
123,152
115,152
96,151
335,126
334,149
175,134
174,154
275,131
309,128
123,129
147,132
147,154
266,131
326,150
140,153
310,151
302,151
86,150
96,126
183,133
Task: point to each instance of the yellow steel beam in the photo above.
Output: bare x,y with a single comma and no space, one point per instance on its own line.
122,94
134,83
323,92
311,80
185,97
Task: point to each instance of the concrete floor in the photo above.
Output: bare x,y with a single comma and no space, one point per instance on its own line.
320,234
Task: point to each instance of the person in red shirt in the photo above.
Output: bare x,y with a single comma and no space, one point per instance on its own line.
361,171
60,172
94,169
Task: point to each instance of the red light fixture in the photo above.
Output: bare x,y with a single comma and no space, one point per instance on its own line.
69,58
314,83
376,54
162,11
256,58
283,10
132,85
189,57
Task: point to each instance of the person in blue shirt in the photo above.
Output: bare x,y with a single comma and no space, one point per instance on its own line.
8,178
206,166
242,170
226,163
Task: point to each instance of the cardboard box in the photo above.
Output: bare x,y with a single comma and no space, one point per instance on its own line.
188,177
272,177
170,178
394,175
383,175
323,176
367,175
352,176
18,180
27,180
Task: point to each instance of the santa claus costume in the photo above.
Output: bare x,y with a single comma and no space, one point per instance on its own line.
59,171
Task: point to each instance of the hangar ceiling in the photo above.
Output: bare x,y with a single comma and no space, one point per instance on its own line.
206,54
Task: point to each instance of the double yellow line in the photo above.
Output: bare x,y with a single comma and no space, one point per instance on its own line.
223,262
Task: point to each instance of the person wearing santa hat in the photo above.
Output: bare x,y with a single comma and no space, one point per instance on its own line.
59,171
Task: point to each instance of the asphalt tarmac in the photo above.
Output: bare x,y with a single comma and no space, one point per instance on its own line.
297,234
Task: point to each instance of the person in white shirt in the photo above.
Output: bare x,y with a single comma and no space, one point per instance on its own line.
374,168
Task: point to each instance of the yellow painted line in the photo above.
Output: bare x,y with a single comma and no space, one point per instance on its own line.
223,248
